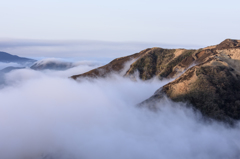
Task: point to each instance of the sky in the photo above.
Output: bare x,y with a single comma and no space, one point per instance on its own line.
185,22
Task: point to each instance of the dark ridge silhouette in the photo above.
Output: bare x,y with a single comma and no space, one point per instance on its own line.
6,57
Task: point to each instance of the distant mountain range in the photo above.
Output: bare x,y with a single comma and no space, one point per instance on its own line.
207,79
23,62
33,64
6,57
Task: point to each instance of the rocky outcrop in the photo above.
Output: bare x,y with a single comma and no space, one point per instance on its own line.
228,43
209,78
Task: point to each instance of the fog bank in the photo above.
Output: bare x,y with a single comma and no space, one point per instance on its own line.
44,115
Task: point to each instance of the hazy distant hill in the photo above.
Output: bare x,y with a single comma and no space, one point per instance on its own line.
6,57
51,64
209,78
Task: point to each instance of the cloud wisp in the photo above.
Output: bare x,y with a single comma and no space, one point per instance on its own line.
45,115
4,65
78,49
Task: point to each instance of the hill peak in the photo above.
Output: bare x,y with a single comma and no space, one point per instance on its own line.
228,43
208,78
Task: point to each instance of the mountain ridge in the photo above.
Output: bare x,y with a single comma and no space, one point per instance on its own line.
6,57
206,78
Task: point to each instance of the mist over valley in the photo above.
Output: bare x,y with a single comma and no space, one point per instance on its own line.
61,109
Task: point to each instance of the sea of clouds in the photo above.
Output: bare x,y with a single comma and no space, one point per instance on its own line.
46,115
4,65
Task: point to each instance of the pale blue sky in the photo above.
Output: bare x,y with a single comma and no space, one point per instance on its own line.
185,22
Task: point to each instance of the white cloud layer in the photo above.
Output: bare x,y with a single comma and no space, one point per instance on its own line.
44,115
4,65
